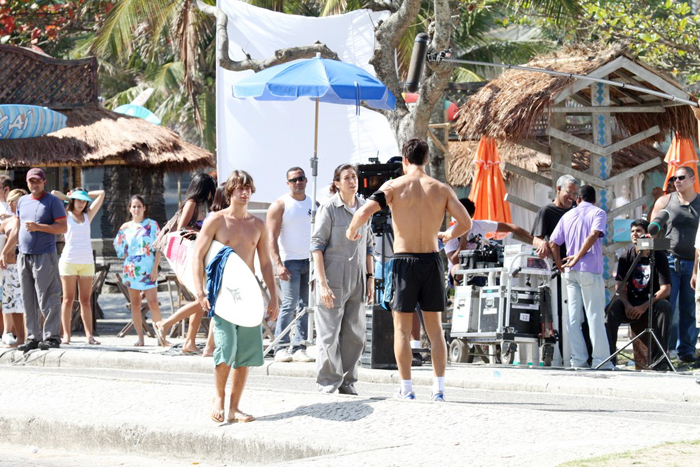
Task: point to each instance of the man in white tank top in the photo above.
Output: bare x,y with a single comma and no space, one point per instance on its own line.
289,225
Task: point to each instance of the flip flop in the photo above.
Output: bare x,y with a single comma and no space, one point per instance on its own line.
159,335
217,416
191,352
241,417
92,341
138,344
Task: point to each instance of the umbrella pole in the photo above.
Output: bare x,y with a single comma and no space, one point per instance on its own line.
311,303
314,170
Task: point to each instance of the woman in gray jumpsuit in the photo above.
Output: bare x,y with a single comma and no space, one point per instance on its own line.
343,279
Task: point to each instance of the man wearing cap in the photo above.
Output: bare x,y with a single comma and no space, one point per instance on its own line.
41,217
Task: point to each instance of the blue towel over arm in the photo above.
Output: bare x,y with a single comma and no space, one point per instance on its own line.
215,272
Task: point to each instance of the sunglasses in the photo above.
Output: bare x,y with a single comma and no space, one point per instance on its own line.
680,178
298,179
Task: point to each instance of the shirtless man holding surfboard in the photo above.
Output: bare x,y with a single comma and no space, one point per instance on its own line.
237,346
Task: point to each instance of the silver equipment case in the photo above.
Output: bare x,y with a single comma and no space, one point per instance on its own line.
513,306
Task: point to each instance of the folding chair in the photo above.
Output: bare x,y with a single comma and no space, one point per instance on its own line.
183,295
144,311
76,322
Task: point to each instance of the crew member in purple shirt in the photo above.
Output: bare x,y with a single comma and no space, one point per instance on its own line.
582,230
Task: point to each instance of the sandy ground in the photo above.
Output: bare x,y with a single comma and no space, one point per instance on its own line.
668,455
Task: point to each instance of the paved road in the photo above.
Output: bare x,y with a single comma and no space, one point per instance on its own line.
655,411
159,412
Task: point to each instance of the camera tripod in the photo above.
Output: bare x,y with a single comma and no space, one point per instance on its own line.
651,245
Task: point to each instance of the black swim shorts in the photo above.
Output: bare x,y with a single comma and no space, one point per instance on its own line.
418,278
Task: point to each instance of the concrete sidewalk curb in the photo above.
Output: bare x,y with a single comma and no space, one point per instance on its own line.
652,386
126,438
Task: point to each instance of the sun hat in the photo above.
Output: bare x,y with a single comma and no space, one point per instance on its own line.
81,195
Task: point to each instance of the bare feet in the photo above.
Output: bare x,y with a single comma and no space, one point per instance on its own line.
190,348
208,352
92,341
217,410
139,343
65,340
237,416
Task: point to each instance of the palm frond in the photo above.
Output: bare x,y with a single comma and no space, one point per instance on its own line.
561,11
124,97
463,75
167,79
116,36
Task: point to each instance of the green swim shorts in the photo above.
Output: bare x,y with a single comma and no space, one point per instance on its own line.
237,346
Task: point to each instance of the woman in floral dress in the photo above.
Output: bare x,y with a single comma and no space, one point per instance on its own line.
134,243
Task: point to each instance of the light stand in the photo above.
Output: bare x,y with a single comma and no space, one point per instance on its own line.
651,245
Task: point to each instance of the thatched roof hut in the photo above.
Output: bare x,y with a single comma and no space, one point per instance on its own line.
516,106
94,135
463,153
97,136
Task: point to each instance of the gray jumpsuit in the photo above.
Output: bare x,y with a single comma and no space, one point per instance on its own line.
341,330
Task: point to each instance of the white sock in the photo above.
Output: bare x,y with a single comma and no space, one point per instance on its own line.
406,386
415,344
439,384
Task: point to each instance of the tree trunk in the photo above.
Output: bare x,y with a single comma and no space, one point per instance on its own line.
120,184
149,184
437,158
117,185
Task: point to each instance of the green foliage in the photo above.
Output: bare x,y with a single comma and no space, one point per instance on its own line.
167,45
663,33
497,31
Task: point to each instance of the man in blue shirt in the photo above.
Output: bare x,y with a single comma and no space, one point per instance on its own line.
41,217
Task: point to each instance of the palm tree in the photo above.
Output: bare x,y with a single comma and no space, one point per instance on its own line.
169,46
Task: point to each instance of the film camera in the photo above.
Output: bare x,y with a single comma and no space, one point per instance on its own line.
371,178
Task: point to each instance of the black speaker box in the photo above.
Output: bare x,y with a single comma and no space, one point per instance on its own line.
379,349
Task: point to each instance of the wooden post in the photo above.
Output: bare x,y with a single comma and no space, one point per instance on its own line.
560,151
601,165
77,176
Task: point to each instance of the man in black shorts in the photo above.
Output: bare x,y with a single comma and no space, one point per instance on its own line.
418,204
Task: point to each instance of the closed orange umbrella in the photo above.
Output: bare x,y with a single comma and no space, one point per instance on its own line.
488,188
681,153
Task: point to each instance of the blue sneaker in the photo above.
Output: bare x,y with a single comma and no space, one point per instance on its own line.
439,397
410,396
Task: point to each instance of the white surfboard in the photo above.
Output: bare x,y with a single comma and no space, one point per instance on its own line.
240,300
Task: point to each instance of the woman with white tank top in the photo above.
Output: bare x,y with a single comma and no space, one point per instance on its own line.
77,266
